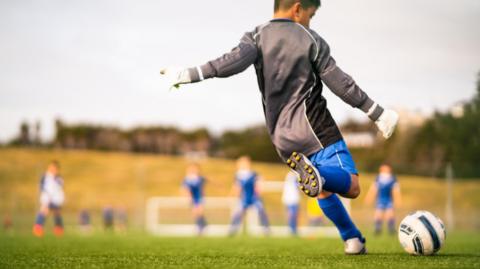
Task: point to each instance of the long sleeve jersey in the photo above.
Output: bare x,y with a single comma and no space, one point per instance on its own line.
292,63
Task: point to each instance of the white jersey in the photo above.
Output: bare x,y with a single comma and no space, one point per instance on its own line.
51,190
290,194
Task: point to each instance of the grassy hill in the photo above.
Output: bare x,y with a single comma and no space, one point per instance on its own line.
96,179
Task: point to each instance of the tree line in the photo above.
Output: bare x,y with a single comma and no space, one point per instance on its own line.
445,138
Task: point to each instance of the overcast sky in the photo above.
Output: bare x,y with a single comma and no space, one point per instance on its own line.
98,60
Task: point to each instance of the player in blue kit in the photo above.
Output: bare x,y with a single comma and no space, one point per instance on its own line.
193,186
386,192
246,187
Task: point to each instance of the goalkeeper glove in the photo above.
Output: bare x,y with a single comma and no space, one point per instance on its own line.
387,122
176,76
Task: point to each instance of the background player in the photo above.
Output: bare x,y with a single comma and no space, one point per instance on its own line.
193,185
51,200
386,193
291,61
246,187
291,200
84,221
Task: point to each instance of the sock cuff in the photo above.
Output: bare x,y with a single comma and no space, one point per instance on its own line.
352,233
330,201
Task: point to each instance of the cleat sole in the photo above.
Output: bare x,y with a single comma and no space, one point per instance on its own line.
309,179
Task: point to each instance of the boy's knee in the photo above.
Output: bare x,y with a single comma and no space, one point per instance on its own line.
324,195
44,210
354,191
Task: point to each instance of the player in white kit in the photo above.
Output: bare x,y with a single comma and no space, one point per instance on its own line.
51,200
291,200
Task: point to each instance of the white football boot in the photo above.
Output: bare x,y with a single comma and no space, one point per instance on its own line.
354,246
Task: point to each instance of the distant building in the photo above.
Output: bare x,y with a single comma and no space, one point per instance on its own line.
409,118
457,110
359,139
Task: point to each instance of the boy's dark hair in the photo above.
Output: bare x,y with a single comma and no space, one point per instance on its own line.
286,4
55,163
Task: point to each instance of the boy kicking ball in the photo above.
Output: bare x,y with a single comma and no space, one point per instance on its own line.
292,63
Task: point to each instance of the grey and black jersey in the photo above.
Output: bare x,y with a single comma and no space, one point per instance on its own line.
292,62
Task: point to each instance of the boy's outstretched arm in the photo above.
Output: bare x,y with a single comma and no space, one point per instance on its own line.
232,63
343,85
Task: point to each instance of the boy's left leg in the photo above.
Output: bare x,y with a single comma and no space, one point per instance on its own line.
262,214
237,220
199,217
390,216
334,209
58,221
293,218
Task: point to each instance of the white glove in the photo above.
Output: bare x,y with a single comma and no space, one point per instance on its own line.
387,122
176,76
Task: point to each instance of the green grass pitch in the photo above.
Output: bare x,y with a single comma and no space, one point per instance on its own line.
114,251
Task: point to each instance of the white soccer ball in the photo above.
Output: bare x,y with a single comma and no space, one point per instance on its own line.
422,233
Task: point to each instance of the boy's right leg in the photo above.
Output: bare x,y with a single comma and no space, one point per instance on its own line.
390,216
314,179
262,214
58,220
199,217
40,221
236,221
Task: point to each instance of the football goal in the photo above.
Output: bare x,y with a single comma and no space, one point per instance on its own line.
171,216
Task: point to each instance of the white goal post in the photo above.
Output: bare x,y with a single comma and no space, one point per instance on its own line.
155,218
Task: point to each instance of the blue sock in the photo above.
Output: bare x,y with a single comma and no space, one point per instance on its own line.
391,225
378,226
58,220
292,219
335,211
337,180
40,220
236,220
201,222
263,215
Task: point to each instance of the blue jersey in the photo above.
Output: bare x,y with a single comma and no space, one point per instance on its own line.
385,185
195,187
247,180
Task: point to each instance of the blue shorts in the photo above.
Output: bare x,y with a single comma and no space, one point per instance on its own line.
336,154
246,203
197,201
384,205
